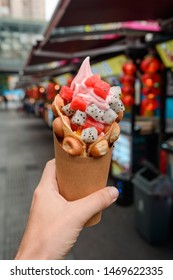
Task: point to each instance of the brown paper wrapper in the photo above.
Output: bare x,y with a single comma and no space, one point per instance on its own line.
80,176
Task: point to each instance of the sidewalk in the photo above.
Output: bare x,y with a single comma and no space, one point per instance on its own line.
26,144
25,147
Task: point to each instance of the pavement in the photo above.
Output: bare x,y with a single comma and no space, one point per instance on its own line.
26,144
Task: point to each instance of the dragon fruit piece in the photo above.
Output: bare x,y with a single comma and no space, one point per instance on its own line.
79,118
113,101
94,112
116,91
119,106
109,116
116,104
66,109
89,134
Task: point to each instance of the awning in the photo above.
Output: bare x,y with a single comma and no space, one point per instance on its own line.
57,45
77,12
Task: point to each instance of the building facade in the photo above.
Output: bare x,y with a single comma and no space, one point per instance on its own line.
23,9
21,25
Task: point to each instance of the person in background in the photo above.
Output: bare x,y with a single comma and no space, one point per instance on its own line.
54,224
5,101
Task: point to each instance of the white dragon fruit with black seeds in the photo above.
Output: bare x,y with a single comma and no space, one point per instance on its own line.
66,109
113,102
116,104
109,116
79,117
116,91
94,112
89,135
119,106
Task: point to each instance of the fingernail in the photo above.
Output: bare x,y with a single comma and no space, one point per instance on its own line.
113,192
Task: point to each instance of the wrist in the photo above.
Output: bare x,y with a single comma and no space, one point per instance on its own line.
30,254
31,251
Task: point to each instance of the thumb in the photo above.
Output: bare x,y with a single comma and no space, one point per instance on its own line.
96,202
48,178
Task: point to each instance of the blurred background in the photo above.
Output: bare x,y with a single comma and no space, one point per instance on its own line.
130,44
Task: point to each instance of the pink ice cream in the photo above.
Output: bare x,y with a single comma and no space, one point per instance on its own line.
87,93
90,104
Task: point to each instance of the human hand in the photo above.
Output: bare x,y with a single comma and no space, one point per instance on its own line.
54,223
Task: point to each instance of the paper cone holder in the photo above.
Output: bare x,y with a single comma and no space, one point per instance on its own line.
80,176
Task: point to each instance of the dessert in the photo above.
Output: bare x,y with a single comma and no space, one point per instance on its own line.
88,112
85,127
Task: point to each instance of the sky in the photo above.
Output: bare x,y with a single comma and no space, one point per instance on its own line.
50,6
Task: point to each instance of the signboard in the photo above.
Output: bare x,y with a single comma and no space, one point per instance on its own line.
62,79
165,51
109,67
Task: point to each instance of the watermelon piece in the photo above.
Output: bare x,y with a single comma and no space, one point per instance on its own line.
78,104
101,88
75,127
66,93
90,122
92,80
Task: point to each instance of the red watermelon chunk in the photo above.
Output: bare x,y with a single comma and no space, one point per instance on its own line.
101,88
90,122
92,80
74,126
78,104
66,93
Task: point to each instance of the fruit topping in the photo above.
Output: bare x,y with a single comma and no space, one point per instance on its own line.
101,88
116,91
109,116
66,93
79,118
116,104
90,122
89,134
78,104
66,109
94,112
91,81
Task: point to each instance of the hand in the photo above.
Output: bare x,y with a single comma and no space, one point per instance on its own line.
54,223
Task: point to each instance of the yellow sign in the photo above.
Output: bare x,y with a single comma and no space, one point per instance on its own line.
165,51
109,67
